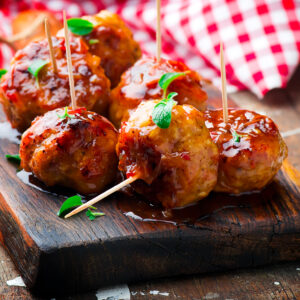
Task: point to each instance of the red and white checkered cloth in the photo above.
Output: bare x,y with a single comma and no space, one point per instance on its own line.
261,37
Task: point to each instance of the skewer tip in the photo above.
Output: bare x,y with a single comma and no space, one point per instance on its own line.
51,50
224,88
69,62
158,30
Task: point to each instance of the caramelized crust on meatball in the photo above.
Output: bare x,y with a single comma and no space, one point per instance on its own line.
76,152
111,40
23,97
177,165
251,149
140,82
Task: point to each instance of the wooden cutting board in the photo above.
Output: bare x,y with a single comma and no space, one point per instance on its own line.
221,232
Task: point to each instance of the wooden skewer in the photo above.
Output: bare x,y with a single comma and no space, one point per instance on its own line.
158,31
101,196
52,56
224,92
69,63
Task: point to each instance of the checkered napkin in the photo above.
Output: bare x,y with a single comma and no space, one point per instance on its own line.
261,38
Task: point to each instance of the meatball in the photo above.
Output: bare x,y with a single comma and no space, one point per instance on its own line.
140,82
111,40
251,149
177,165
76,151
24,97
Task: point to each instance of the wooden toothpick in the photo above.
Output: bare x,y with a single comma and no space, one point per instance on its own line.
69,63
158,31
224,92
52,56
101,196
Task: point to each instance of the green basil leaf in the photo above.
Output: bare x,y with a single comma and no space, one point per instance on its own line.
167,78
90,215
93,215
80,26
162,113
236,137
93,41
69,205
2,72
15,158
36,66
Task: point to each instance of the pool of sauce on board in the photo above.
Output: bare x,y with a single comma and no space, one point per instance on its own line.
136,207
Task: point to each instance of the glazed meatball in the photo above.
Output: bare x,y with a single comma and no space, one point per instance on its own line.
140,82
111,40
24,97
251,149
76,151
177,165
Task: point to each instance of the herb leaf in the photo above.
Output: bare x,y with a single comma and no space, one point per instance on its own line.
69,204
172,95
93,215
93,41
2,72
80,26
162,112
15,158
36,66
166,80
236,137
66,114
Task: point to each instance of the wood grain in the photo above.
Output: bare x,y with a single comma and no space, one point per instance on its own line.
57,256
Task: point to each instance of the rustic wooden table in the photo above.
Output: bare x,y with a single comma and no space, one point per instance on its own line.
270,282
